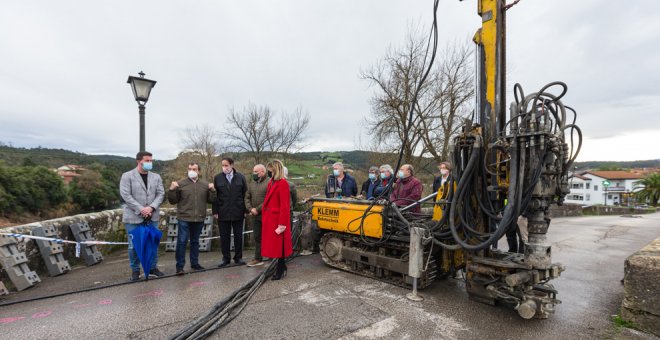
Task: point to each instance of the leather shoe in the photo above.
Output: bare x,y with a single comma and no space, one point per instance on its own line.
179,271
224,263
135,276
197,267
239,262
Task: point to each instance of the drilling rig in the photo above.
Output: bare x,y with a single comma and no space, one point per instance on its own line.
507,163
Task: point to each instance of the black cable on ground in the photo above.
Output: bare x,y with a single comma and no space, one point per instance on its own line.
226,310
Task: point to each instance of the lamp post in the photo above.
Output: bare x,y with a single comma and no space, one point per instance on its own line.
141,89
606,184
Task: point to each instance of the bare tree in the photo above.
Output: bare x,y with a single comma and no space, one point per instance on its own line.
256,131
443,99
201,145
455,88
292,130
250,130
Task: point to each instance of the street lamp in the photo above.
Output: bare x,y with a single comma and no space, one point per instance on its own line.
606,184
141,89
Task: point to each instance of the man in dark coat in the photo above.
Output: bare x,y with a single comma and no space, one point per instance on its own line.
369,186
229,210
340,184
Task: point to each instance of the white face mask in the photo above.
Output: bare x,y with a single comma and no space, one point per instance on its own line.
192,174
444,172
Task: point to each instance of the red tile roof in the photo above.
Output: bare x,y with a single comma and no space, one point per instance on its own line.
581,177
614,174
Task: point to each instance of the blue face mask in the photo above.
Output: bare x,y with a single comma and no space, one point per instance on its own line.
399,174
147,166
372,176
335,172
383,175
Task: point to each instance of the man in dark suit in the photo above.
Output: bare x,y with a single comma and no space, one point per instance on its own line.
229,210
142,192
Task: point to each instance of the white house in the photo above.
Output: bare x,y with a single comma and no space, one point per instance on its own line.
601,187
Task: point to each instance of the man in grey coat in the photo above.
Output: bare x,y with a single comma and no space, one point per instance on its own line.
142,192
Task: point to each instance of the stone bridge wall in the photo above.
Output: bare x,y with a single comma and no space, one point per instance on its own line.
641,301
104,226
615,210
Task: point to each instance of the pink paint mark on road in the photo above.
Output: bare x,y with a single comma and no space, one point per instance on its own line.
232,276
155,293
10,320
43,314
197,284
105,302
82,305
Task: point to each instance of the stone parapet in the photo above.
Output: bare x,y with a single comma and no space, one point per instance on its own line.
104,226
641,302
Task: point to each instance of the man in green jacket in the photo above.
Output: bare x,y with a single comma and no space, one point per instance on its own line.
254,199
190,196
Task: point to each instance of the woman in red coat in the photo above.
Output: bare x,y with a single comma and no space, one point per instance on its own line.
276,220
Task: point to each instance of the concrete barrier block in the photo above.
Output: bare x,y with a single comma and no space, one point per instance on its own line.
51,252
171,244
205,245
20,274
641,302
89,252
7,240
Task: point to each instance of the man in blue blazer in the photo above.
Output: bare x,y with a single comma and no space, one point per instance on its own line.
142,193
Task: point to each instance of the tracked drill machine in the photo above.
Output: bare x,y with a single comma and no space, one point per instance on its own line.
507,163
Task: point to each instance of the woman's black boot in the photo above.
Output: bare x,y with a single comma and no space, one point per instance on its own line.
280,271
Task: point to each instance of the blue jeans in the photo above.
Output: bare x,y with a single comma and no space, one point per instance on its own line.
132,254
188,230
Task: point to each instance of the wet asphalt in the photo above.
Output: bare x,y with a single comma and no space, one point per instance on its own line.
315,301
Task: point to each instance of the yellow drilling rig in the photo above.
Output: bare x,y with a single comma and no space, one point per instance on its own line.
506,163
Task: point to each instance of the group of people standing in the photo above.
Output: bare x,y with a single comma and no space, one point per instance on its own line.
406,189
267,200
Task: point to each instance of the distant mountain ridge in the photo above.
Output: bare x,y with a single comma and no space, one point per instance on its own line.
53,158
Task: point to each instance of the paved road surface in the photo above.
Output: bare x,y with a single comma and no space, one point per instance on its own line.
315,301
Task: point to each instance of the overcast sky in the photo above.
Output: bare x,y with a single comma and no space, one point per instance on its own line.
64,65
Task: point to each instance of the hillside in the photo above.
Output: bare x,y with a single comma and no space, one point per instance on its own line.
356,159
652,163
54,158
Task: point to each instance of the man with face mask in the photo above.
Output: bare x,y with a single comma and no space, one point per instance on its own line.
229,210
190,196
369,186
407,189
142,192
254,199
340,184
